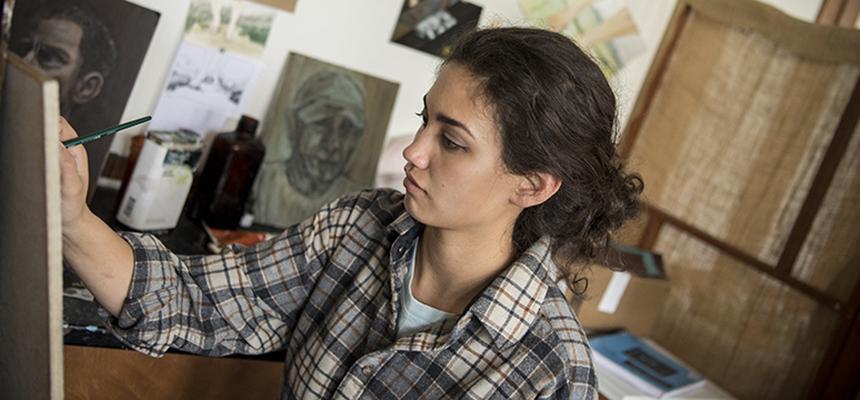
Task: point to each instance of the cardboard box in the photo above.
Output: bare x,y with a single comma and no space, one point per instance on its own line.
622,300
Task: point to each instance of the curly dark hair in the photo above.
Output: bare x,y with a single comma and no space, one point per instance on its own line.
557,114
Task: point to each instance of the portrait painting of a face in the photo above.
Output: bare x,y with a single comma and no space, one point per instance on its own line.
323,136
94,49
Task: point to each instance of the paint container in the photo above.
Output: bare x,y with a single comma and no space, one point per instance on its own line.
161,180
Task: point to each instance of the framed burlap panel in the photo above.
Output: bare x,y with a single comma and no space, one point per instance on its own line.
746,136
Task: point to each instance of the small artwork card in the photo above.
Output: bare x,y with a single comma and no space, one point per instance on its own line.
604,27
432,26
235,26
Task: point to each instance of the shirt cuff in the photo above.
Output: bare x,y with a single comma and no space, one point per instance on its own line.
144,320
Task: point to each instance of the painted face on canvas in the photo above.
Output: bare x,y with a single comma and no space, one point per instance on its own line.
328,120
455,177
326,141
54,48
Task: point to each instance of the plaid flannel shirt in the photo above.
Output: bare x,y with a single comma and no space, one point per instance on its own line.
328,292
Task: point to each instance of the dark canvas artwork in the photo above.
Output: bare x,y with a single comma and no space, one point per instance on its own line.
6,8
323,136
94,49
432,26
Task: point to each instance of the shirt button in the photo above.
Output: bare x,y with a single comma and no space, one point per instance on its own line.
367,371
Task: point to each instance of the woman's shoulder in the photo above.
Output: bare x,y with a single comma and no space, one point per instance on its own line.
371,199
563,327
380,205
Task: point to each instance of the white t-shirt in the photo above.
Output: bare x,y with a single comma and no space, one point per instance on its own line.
415,315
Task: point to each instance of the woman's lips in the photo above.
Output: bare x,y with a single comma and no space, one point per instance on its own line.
411,185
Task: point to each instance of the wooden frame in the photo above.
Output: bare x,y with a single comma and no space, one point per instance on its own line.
836,376
31,335
839,12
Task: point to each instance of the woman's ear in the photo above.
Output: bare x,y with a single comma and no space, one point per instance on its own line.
535,188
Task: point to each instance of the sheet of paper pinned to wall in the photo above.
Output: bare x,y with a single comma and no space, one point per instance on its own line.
603,27
216,66
206,88
614,292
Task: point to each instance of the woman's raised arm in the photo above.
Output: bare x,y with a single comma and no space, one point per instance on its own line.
102,259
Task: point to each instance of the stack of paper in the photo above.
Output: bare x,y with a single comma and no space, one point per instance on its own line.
630,367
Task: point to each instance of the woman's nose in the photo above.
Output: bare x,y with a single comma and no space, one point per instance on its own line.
417,153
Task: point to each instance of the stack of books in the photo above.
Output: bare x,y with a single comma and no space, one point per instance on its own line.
631,367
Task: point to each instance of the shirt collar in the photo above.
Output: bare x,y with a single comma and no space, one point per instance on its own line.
510,305
403,223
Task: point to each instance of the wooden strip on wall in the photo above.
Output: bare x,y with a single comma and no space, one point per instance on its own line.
822,297
739,327
842,13
824,259
654,79
830,12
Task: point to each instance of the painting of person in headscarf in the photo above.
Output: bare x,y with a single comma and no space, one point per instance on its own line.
94,49
323,136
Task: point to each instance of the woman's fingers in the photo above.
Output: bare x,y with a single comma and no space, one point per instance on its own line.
73,189
77,153
69,176
66,130
74,176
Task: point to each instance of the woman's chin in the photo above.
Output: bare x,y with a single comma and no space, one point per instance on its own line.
413,208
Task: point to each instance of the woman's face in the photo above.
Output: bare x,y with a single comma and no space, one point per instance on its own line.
454,174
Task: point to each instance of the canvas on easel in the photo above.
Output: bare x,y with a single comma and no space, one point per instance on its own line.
30,236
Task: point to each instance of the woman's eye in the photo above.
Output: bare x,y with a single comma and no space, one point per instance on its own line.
450,144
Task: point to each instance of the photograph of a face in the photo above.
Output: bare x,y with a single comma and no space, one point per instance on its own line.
94,49
323,136
432,26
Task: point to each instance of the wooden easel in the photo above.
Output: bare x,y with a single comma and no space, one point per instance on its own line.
31,310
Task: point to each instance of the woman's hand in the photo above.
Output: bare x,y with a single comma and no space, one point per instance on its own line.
74,177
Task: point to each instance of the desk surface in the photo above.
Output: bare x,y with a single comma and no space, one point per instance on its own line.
102,373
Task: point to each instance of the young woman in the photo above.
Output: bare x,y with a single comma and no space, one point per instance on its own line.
450,290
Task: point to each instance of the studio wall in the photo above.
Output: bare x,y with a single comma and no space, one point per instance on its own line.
357,35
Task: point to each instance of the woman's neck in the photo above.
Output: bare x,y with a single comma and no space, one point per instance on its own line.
452,267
